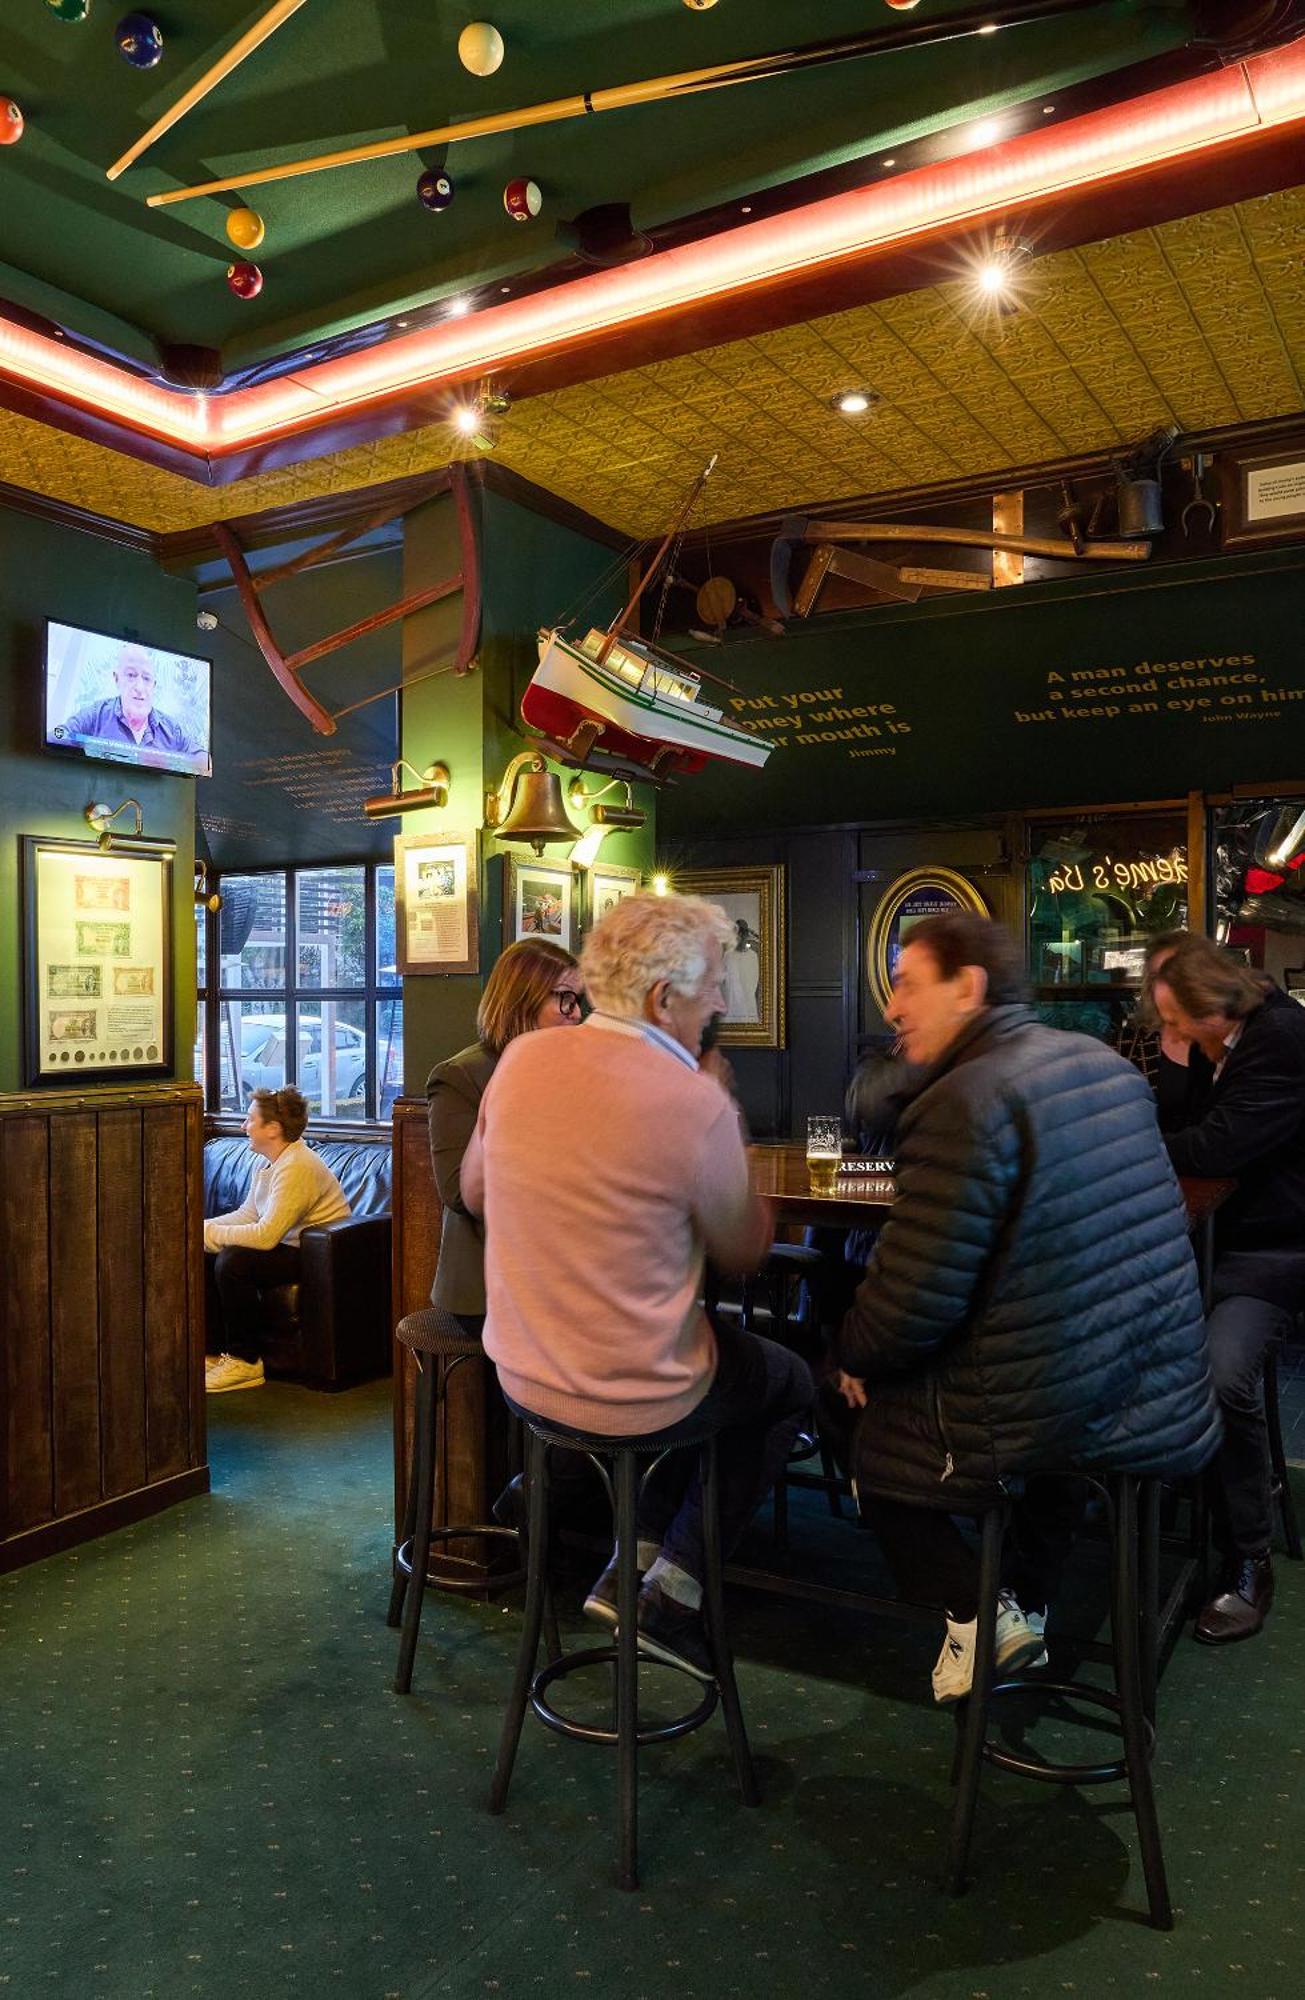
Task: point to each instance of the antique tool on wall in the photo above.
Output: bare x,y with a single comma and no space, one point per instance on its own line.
1072,518
827,561
1200,502
797,529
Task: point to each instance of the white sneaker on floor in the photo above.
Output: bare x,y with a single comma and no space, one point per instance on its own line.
1018,1645
1037,1624
227,1373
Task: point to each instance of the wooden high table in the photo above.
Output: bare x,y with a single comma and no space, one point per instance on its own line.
781,1177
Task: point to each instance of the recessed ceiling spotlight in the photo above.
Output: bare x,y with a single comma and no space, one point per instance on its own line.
999,273
401,322
987,132
889,163
458,308
853,402
988,28
1047,110
746,208
466,419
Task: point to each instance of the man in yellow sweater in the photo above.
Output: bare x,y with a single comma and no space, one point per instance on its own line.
257,1244
608,1162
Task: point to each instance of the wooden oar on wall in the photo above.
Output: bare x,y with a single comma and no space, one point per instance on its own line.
653,90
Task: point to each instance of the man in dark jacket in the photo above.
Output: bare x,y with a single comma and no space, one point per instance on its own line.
1032,1304
1253,1132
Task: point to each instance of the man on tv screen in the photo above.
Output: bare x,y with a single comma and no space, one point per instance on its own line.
130,716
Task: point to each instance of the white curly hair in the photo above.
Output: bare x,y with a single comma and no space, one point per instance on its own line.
646,939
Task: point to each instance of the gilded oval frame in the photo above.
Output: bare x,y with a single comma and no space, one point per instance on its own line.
948,882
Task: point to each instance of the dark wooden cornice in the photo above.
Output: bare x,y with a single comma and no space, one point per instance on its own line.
64,515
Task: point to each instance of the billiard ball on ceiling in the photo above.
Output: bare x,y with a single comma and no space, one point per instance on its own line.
522,200
901,6
245,228
434,191
701,6
11,122
69,10
140,40
480,48
245,280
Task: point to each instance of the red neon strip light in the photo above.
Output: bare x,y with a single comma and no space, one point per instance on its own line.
1261,95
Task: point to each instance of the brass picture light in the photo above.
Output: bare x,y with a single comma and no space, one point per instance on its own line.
432,790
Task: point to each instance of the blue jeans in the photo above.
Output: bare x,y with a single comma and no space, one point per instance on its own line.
758,1400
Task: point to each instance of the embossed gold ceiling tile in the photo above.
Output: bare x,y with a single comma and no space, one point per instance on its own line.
1275,227
1138,284
1213,262
957,358
1095,341
1063,396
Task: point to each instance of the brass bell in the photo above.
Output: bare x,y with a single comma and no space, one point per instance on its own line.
536,814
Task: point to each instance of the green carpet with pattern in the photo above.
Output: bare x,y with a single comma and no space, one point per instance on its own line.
207,1787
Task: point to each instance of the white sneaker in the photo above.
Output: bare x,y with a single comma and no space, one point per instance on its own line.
228,1373
1037,1624
1019,1644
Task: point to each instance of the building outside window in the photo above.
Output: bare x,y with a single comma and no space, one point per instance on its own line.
298,985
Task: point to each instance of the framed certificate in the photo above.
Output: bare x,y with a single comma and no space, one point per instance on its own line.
436,903
97,960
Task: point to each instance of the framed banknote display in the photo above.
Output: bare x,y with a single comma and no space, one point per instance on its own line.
97,960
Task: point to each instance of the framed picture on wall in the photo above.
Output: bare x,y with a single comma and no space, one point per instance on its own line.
606,885
97,960
436,903
920,893
540,900
1263,494
756,971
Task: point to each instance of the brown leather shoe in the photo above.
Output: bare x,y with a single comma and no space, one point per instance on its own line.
1240,1609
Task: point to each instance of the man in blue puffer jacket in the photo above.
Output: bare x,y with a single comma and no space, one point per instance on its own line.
1032,1303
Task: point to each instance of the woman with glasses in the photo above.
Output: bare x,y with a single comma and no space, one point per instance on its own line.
535,984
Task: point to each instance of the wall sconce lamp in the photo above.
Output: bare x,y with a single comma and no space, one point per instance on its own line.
100,819
432,790
209,899
628,816
528,804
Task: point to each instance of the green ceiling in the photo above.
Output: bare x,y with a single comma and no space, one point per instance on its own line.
346,247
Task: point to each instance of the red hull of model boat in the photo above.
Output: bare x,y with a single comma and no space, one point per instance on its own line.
557,716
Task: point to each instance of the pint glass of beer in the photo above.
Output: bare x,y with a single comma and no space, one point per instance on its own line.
824,1152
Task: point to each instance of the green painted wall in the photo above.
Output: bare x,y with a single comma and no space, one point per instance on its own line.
1136,685
534,570
50,571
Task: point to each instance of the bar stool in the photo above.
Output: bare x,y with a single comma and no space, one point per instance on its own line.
618,1463
1134,1512
1281,1486
440,1347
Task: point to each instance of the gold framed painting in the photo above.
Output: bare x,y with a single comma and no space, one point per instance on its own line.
756,968
540,900
436,902
97,960
606,885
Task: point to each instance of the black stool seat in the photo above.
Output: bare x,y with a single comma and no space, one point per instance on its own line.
440,1345
1134,1517
618,1461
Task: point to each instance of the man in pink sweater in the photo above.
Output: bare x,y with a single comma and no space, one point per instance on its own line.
607,1163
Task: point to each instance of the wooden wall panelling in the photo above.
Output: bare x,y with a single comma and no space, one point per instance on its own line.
197,1341
167,1295
74,1312
819,868
122,1301
26,1440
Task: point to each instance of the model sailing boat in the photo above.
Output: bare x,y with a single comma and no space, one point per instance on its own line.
619,701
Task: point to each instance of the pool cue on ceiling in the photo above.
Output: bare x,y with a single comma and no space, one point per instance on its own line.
252,39
653,90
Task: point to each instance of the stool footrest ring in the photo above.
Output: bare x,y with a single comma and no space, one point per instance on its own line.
585,1732
1112,1771
501,1580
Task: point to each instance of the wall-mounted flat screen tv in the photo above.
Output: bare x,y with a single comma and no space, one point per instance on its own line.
125,703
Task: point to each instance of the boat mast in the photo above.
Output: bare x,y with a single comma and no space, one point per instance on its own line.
618,624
